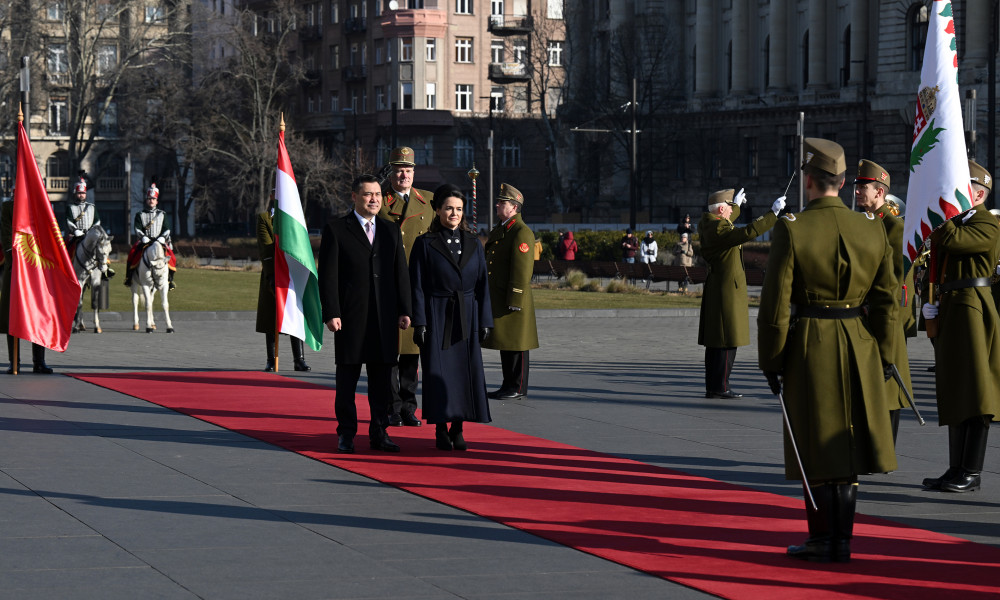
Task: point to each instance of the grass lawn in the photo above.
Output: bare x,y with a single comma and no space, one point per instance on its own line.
203,289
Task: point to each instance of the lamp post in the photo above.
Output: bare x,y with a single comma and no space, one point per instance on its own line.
473,173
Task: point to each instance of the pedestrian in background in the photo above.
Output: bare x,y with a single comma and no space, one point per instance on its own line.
568,247
630,245
648,248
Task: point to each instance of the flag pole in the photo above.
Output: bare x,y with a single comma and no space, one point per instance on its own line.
281,128
15,359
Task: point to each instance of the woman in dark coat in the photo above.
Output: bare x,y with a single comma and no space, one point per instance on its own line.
451,317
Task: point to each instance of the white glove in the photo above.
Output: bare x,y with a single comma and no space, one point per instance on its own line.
778,205
740,198
77,232
145,239
161,240
930,311
968,216
998,269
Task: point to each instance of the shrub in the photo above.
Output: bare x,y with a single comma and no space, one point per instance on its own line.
575,279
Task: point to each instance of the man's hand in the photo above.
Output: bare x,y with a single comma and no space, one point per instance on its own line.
161,240
404,322
887,371
778,205
930,311
773,381
420,335
333,324
484,334
740,198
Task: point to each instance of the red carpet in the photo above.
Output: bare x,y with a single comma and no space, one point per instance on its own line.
713,536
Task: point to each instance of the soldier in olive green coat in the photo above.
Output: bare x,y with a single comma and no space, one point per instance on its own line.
824,264
266,303
870,189
6,242
967,349
509,264
725,318
409,208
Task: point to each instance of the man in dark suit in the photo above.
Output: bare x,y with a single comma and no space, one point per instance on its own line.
364,289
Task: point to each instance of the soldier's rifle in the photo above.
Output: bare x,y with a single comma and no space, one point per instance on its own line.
795,448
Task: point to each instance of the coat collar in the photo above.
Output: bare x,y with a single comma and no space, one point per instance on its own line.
826,202
395,200
468,239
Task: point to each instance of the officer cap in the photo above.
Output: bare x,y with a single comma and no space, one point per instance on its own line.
824,155
402,156
721,196
509,192
980,175
869,171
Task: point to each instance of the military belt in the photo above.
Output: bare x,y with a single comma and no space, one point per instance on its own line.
826,312
965,283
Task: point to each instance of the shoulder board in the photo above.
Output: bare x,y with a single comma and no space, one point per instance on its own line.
392,199
870,216
418,195
789,216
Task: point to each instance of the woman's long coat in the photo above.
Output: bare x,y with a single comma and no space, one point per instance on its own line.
451,298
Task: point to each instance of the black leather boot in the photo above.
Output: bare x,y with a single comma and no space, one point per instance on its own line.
11,340
456,436
894,419
968,480
846,502
441,438
298,356
818,547
269,339
956,448
38,359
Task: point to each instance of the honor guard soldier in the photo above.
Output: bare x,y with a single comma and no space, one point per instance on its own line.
724,322
509,265
6,242
151,224
410,209
814,341
966,249
80,217
871,187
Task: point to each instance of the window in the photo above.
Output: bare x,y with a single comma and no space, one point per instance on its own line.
553,98
354,54
55,10
378,52
464,152
463,50
767,62
917,35
496,7
406,49
431,96
463,96
406,96
431,50
463,7
791,154
496,99
334,12
751,150
310,10
380,98
845,69
804,56
382,150
354,101
335,56
154,14
106,10
388,51
58,165
58,117
310,105
364,53
496,51
510,150
57,61
520,50
364,101
555,53
555,9
520,95
334,102
107,58
109,120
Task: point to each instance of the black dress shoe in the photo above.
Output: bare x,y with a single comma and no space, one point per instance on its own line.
964,482
269,367
42,368
300,365
813,550
410,420
345,445
443,441
934,483
385,445
395,420
495,395
508,395
458,441
725,395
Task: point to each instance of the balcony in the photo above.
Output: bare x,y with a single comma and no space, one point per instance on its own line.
57,78
509,71
111,184
310,33
354,73
313,77
507,24
355,25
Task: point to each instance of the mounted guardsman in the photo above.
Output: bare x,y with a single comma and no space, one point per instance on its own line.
80,217
152,224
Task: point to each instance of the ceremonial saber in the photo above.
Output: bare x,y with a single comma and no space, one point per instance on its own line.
906,392
795,448
789,186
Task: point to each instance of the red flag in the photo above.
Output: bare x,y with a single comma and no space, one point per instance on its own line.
44,291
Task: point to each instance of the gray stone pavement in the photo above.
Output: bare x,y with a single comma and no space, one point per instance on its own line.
104,496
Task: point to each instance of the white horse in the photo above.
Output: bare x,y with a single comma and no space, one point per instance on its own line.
151,276
90,262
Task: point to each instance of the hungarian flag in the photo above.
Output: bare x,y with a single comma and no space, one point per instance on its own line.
939,185
296,283
44,291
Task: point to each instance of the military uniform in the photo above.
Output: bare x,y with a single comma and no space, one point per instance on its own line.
868,172
150,224
724,322
966,249
6,242
413,214
266,304
509,264
824,263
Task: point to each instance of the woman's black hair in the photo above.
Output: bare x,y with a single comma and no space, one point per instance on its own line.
442,193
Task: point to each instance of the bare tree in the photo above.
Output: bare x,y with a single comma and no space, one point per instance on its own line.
321,179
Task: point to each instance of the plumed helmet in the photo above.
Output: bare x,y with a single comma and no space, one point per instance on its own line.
81,186
153,192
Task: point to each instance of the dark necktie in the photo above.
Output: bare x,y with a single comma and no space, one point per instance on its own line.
406,198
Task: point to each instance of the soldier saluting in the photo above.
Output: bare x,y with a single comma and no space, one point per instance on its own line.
813,340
